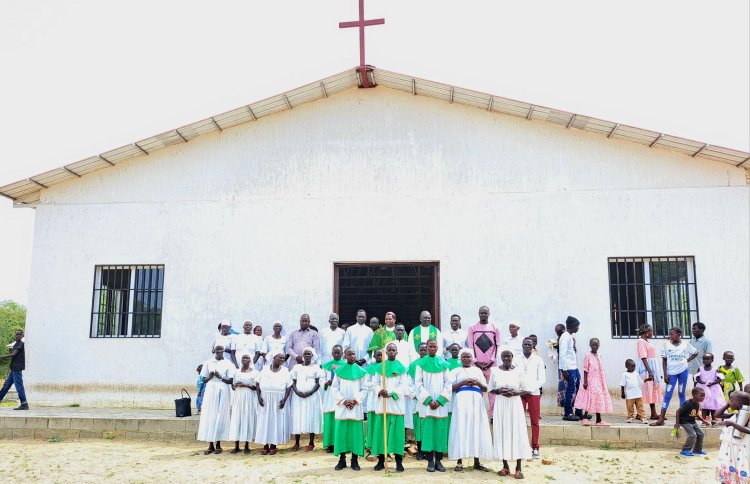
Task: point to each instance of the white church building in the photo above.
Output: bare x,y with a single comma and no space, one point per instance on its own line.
409,196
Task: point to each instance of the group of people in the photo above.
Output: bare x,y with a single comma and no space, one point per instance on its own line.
717,392
460,392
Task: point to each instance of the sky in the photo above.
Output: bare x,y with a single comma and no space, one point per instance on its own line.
81,77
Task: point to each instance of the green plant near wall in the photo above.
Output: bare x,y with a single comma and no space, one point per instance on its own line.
12,317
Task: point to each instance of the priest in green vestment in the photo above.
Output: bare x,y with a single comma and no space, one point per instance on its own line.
392,391
425,331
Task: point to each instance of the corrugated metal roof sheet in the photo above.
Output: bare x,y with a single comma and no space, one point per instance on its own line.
29,191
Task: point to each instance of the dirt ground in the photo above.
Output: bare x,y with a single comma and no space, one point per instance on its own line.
151,461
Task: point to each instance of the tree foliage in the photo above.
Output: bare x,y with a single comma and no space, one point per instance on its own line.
12,317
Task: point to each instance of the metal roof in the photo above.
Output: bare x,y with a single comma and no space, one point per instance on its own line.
28,191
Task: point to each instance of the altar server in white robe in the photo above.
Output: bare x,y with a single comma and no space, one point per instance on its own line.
244,404
510,439
273,386
433,391
306,414
470,435
393,394
358,337
217,401
247,342
348,394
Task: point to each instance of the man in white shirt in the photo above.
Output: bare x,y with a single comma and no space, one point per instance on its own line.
403,346
358,337
515,341
534,374
330,337
568,365
455,335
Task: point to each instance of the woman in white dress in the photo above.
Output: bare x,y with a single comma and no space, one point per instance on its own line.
510,439
305,407
244,405
274,343
470,427
273,386
247,342
217,401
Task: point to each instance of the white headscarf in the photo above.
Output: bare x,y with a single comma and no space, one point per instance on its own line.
314,359
225,322
465,350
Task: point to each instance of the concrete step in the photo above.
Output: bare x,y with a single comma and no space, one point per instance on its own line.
148,424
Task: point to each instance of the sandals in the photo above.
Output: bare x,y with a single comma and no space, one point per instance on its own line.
273,451
602,424
630,420
481,468
218,451
294,448
518,475
264,451
309,448
503,472
585,422
208,451
458,468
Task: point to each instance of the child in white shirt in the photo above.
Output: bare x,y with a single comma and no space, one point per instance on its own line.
631,383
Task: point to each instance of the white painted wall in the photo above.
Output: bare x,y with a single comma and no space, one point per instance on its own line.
521,215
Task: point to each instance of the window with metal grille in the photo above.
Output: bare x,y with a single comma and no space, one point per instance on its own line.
127,301
660,291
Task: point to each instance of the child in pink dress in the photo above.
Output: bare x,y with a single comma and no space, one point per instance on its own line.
593,395
708,378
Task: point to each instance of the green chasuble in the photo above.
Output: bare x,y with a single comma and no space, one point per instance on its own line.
380,338
453,363
416,335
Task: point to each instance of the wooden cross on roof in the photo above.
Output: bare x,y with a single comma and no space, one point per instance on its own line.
361,24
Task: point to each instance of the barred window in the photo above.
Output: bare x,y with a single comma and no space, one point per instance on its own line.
127,301
660,291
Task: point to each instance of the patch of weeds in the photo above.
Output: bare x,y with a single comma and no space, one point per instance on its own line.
74,405
110,435
606,446
549,478
54,439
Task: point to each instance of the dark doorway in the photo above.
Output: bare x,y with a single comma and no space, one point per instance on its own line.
406,288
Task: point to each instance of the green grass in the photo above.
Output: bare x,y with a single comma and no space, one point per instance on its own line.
74,405
54,439
606,446
110,436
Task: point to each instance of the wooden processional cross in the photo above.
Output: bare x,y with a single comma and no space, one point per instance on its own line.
361,24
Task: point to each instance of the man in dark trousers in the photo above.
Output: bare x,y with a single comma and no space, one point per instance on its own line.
15,377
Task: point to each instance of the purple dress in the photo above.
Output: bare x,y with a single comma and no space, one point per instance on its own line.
714,396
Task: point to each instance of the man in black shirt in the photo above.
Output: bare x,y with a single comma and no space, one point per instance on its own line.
15,377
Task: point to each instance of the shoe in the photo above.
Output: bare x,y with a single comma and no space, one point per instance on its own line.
585,422
341,464
686,453
329,449
630,420
23,406
380,465
355,463
420,456
399,466
439,466
535,454
602,424
699,452
587,416
571,418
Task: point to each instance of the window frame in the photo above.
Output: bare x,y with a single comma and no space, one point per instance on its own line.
130,297
647,288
